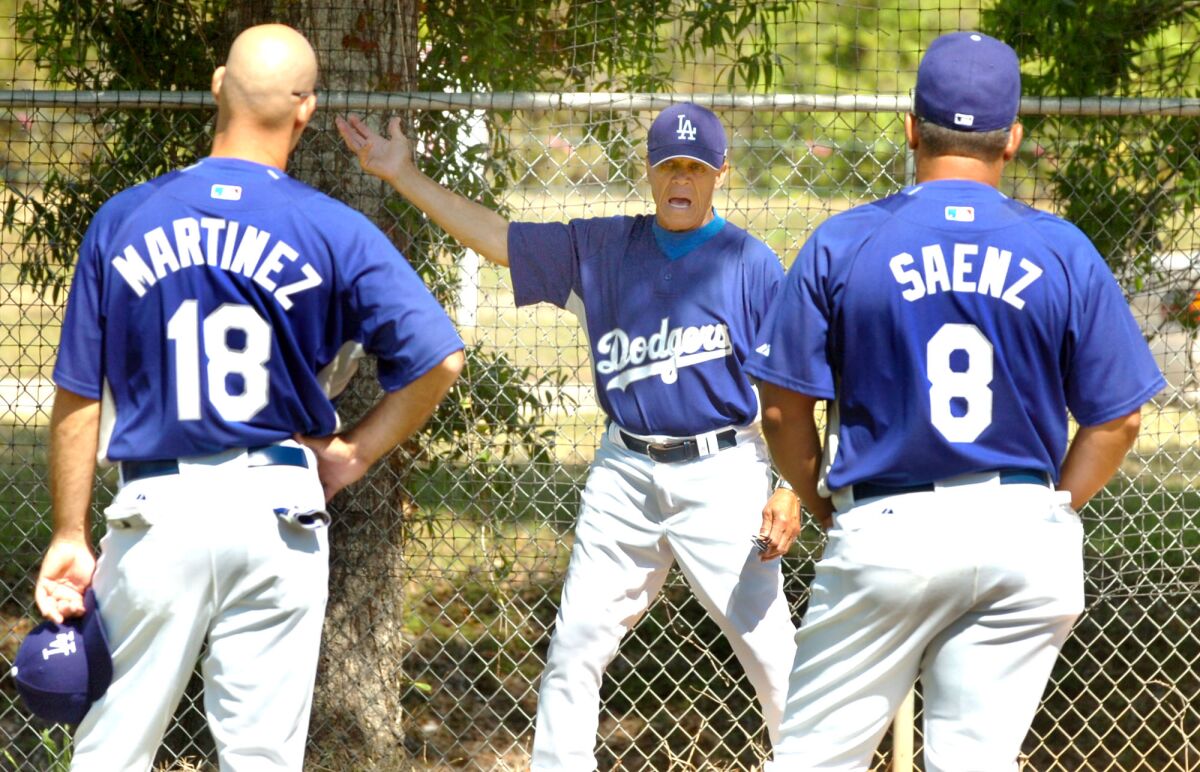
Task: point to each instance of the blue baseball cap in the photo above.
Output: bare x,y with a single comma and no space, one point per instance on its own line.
60,670
968,81
687,131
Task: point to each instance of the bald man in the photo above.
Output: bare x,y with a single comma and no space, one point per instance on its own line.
211,310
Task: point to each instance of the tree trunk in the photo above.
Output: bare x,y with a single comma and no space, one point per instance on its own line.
357,717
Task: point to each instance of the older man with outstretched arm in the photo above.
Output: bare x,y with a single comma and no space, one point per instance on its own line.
670,303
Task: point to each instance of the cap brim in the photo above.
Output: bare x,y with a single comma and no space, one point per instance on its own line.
100,666
692,156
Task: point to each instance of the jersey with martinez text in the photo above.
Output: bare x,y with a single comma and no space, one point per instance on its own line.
209,305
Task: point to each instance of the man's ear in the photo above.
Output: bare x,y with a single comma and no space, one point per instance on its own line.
308,106
1016,133
722,174
911,133
218,79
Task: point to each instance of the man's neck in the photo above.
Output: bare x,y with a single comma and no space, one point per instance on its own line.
251,146
956,167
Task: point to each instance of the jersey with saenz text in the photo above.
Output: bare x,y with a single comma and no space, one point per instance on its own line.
667,337
956,327
206,303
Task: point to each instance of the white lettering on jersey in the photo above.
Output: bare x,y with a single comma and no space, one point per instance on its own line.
249,251
63,644
134,271
215,243
311,279
668,350
934,275
764,349
212,227
162,256
685,129
1012,294
937,278
187,241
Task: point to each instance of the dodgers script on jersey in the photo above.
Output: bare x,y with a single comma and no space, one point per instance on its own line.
663,333
973,379
188,275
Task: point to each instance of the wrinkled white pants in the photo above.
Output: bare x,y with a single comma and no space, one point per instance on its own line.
972,588
638,517
200,557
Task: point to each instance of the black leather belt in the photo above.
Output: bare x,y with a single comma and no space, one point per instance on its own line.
268,455
676,450
867,490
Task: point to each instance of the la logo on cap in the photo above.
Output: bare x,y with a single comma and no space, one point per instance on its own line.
686,130
62,644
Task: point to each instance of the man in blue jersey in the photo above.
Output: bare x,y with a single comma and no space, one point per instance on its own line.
671,305
951,329
210,311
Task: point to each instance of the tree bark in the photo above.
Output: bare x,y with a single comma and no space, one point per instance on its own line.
357,711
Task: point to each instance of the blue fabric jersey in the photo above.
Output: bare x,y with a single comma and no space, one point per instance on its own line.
209,301
955,327
668,337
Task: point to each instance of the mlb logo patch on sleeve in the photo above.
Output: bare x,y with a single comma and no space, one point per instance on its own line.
227,192
960,213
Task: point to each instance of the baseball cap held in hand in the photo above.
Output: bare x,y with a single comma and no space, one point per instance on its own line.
968,81
60,670
687,131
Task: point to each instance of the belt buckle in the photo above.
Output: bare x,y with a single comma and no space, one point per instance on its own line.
666,452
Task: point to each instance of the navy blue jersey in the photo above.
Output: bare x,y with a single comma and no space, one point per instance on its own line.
956,328
209,305
668,338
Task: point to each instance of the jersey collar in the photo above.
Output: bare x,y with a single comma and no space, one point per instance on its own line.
676,244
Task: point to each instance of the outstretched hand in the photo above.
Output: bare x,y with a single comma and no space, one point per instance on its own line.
389,159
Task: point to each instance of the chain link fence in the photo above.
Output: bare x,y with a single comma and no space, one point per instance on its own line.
448,558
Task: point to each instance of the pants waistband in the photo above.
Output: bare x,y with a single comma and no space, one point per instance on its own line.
267,455
671,450
869,490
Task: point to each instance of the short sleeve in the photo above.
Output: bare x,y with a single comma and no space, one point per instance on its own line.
1110,370
762,285
543,261
401,323
791,348
79,367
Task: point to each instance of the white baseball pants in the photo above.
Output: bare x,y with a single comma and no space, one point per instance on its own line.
201,557
972,588
637,518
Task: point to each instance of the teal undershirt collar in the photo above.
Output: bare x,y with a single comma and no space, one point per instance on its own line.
676,244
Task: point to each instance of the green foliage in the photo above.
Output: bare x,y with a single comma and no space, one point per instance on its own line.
97,44
1120,179
58,751
608,45
498,400
585,45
